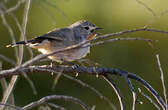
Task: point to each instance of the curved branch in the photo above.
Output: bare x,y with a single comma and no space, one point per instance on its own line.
84,70
117,91
149,88
54,97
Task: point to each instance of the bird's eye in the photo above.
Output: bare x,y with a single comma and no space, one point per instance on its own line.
87,28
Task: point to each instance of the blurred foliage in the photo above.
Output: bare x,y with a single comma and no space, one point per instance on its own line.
114,16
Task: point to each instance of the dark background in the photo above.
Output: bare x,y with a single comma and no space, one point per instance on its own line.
114,16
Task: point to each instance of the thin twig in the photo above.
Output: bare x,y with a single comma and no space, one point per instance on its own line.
13,8
57,9
156,16
120,39
130,31
149,98
55,97
30,83
11,106
91,88
162,79
57,107
117,91
8,91
147,7
56,79
23,36
7,59
150,89
133,92
5,86
5,22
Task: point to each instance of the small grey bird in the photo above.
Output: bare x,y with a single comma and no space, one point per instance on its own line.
61,38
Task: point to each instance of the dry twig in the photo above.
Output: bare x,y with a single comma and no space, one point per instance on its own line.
162,79
55,97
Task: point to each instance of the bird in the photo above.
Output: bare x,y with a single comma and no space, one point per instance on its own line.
60,38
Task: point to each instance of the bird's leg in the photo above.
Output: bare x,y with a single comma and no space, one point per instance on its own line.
67,62
90,63
52,65
74,66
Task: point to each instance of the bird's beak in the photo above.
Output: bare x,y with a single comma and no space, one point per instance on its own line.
98,28
94,31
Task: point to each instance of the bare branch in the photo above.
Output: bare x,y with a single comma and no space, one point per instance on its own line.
147,7
133,92
117,91
149,98
130,31
55,97
56,106
30,83
149,88
91,71
91,88
157,16
162,79
8,91
56,79
120,39
23,36
13,8
57,9
7,59
5,22
11,106
4,87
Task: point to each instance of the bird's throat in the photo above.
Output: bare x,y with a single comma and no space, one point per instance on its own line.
92,36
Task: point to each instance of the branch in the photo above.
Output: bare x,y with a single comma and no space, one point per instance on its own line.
162,79
13,8
91,88
12,107
117,91
147,8
133,92
149,98
54,97
131,31
57,107
84,70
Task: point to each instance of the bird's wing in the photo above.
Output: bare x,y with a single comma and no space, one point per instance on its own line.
57,35
50,36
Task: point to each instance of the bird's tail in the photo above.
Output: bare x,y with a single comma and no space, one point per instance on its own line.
19,43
